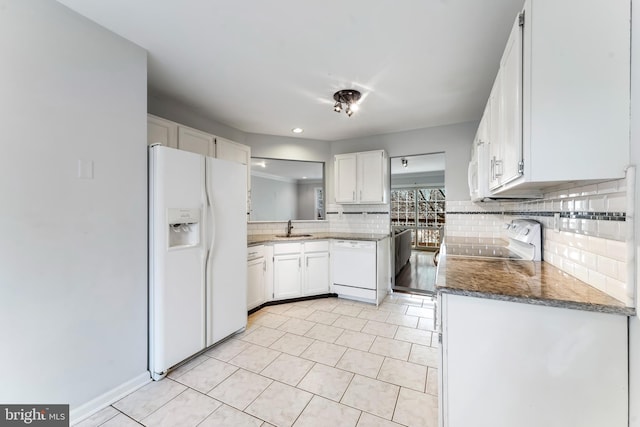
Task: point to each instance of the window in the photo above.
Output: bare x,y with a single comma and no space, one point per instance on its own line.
423,211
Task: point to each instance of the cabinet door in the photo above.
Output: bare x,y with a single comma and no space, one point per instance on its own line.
495,146
287,276
255,282
371,177
479,166
162,131
345,178
509,163
316,273
232,151
195,141
536,357
239,153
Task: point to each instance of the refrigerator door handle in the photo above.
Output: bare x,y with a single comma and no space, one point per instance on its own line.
211,219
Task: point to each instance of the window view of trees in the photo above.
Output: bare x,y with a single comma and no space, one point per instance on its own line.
423,211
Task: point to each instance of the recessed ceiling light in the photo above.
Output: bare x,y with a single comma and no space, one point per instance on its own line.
297,130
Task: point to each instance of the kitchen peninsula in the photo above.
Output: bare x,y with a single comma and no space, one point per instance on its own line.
562,356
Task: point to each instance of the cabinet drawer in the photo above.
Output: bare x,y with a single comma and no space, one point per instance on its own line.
319,246
254,252
287,248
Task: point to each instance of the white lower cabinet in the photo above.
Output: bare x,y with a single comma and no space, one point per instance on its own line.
300,269
287,276
256,275
506,364
316,273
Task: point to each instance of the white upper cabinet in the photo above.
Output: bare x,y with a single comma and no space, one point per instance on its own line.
175,135
560,103
361,177
493,132
232,151
196,141
161,131
372,177
509,98
345,178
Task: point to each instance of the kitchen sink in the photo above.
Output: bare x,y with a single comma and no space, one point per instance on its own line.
293,236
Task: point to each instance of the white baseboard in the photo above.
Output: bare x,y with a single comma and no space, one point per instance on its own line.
91,407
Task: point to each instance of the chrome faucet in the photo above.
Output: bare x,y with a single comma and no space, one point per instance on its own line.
289,227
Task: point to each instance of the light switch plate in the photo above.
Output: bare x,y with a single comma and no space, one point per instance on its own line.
85,169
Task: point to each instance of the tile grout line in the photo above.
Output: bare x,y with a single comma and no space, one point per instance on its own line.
256,324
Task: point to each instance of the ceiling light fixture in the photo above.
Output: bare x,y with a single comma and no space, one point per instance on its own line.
405,162
348,97
296,130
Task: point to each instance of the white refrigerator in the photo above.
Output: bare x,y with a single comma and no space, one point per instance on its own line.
197,254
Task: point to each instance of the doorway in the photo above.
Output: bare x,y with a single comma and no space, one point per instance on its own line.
417,219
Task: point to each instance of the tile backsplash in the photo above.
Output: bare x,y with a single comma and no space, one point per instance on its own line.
587,232
340,219
359,218
280,227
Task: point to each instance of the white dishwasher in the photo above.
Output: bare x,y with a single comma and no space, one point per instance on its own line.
354,269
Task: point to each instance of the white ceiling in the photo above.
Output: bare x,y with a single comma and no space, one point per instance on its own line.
269,66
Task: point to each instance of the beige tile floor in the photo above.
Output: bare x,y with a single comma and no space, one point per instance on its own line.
325,362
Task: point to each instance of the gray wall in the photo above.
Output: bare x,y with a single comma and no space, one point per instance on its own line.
279,200
307,200
174,110
73,252
273,200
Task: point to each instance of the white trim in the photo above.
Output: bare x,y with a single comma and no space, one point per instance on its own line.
91,407
265,175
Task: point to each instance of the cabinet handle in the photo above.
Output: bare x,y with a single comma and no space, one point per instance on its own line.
498,164
435,314
264,265
493,168
360,194
353,197
299,263
307,262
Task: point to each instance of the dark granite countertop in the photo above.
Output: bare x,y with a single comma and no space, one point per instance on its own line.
257,239
531,282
